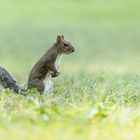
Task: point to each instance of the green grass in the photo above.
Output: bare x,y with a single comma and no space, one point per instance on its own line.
97,95
79,108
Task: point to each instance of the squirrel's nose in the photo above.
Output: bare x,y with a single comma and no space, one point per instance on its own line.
72,50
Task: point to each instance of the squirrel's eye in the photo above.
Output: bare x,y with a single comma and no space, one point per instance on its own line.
65,44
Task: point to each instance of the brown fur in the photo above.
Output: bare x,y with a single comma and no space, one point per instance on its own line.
47,63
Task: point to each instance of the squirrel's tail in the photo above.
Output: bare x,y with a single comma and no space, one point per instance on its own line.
7,81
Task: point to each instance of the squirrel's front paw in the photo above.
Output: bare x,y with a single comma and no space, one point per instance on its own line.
55,74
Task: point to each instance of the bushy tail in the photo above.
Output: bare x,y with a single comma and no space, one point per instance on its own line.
7,81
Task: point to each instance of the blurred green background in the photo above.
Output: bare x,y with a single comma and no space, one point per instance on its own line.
105,34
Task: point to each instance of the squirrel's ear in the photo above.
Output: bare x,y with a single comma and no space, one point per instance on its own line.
62,37
58,38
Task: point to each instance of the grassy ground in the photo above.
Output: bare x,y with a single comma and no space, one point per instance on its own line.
97,95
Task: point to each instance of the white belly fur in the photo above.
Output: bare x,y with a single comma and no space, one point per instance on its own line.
58,61
47,81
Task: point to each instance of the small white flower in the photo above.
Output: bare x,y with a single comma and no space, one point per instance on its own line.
92,113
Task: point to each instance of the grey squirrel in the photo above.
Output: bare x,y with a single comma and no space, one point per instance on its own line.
47,67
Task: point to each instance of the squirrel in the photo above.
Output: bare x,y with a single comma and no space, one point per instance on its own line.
46,67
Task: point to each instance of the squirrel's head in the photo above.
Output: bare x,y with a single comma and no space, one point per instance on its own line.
64,46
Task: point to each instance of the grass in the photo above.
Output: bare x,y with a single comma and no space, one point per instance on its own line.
97,95
82,108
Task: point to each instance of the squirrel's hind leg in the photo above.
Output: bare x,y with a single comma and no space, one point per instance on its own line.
48,86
